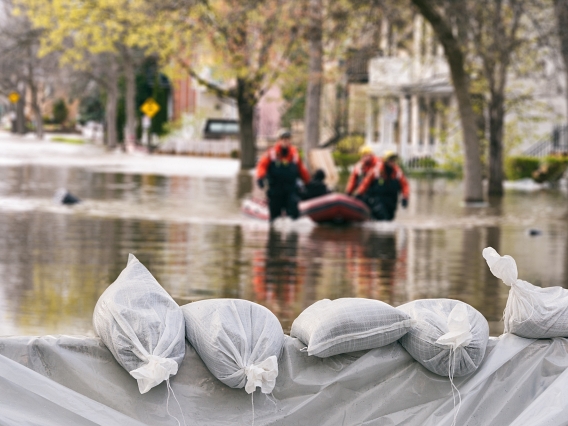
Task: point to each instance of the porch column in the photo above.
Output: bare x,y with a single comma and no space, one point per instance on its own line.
438,132
426,125
381,121
414,125
369,120
404,126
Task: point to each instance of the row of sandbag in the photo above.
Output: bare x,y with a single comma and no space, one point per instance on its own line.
240,341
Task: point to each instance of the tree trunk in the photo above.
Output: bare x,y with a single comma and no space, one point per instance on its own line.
313,95
37,115
561,12
496,119
36,110
473,185
246,103
33,92
20,116
130,77
111,109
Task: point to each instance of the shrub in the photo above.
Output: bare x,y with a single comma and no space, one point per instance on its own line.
422,163
520,167
344,160
350,144
551,169
60,111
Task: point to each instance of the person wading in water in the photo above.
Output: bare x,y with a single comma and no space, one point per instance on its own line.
282,166
367,162
381,187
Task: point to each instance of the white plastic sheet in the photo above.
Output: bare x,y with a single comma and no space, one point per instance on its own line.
76,381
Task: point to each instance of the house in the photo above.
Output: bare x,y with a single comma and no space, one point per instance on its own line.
411,108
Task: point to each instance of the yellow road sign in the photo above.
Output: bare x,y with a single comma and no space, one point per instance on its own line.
150,107
14,97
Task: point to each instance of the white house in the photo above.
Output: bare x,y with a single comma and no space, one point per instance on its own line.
411,108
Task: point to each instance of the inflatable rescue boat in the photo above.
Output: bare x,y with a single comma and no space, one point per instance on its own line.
331,208
255,208
335,208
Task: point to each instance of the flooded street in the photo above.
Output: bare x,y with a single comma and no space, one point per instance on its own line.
181,217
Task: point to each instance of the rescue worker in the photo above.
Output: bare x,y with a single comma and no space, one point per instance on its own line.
381,188
315,187
282,167
367,162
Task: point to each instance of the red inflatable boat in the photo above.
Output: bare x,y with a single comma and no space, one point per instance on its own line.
256,208
335,208
331,208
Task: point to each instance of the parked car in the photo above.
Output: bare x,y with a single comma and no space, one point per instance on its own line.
221,128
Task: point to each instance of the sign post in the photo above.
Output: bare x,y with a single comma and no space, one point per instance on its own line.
14,97
150,108
146,124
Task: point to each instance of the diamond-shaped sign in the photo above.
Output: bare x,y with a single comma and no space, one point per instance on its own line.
14,97
150,107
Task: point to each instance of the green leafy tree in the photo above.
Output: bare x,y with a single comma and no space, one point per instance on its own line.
485,43
248,45
439,15
118,32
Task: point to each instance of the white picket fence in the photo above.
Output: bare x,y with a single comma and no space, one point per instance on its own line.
218,148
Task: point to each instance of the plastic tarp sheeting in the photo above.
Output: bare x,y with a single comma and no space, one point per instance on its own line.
76,381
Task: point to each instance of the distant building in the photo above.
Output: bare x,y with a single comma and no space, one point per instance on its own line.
191,98
184,97
411,107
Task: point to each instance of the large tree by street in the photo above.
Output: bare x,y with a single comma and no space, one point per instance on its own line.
484,38
22,69
334,30
494,26
455,53
252,42
561,13
119,30
315,76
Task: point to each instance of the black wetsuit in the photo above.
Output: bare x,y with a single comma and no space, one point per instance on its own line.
314,188
282,188
382,198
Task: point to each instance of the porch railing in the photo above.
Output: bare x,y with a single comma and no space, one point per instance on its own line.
556,143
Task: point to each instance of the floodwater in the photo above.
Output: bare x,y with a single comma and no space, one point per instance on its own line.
181,217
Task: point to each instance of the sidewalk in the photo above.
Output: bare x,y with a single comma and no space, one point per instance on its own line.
19,150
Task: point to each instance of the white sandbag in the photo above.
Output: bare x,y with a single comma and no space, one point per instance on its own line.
531,311
142,326
239,341
344,325
449,337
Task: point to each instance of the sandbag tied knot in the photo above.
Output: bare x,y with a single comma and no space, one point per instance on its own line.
460,328
503,267
262,375
154,372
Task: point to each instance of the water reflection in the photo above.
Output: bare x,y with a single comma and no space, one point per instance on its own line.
55,261
278,277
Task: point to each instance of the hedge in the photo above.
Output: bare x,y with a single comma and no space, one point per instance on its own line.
520,167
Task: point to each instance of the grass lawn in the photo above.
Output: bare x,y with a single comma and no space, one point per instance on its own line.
65,139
